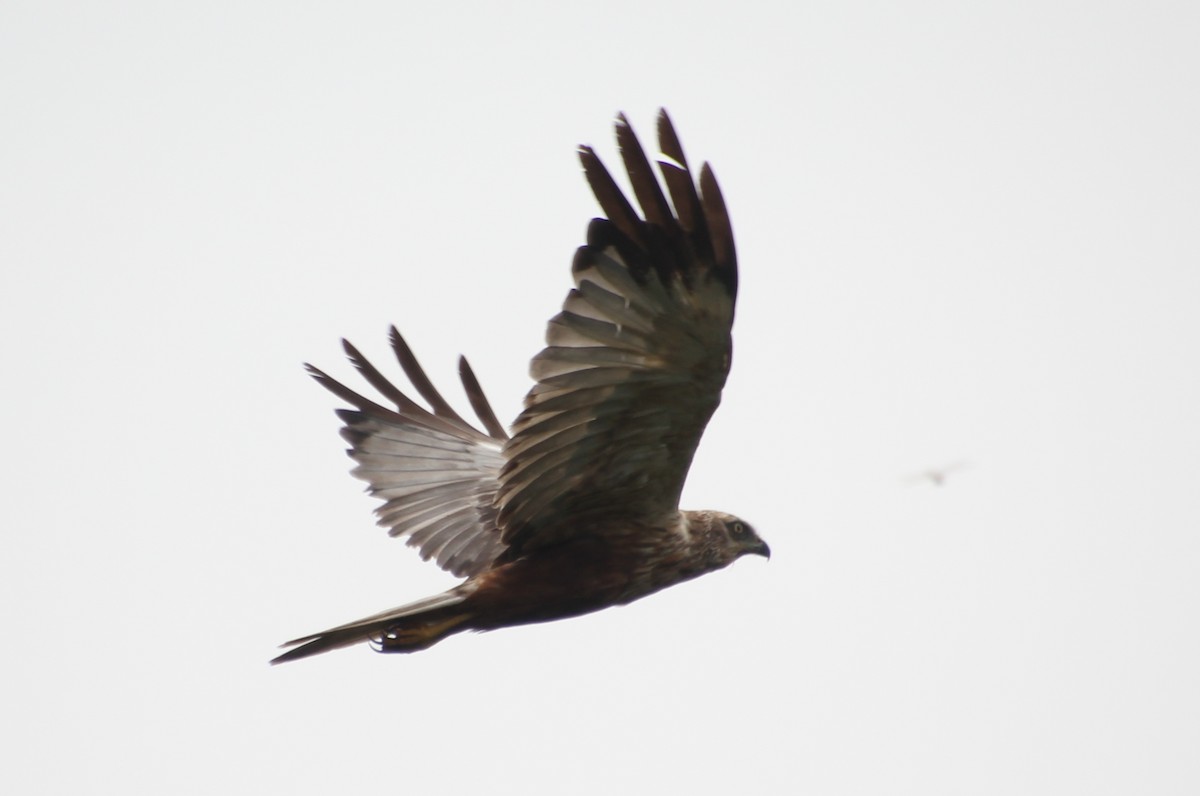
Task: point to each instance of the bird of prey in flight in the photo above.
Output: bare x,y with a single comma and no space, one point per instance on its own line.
577,509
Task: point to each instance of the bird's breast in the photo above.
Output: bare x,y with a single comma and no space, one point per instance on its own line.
577,577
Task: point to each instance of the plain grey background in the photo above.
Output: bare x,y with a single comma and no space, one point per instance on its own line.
967,232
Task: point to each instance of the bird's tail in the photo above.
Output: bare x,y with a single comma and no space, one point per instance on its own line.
408,628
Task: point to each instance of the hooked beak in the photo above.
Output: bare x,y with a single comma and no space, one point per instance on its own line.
760,549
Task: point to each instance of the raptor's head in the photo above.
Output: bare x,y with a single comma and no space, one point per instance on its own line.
725,538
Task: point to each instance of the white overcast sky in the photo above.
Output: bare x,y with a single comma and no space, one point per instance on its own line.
967,232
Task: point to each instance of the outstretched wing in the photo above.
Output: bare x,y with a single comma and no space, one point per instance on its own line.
437,474
635,362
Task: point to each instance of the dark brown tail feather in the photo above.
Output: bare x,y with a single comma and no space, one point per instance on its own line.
409,628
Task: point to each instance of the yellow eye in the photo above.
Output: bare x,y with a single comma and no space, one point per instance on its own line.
738,529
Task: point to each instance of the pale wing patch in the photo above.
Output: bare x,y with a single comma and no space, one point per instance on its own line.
436,474
440,498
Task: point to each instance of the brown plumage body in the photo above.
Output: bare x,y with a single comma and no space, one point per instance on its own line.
578,510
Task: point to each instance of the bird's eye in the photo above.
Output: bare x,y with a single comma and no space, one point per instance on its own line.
738,529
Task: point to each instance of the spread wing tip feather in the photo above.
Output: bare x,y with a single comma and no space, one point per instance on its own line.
479,402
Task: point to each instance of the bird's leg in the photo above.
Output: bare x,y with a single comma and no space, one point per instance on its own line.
401,638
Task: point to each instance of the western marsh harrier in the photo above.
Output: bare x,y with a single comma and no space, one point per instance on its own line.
578,509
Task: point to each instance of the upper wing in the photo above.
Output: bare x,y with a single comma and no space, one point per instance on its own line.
437,473
634,364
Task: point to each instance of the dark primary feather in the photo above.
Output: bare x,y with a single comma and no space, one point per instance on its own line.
479,401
